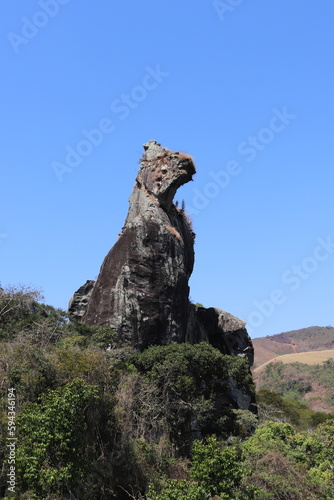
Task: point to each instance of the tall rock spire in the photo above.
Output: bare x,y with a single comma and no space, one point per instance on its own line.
142,290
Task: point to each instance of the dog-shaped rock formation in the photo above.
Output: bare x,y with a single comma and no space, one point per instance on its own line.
142,290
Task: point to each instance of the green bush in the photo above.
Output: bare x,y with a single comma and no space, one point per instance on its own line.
177,490
217,468
194,382
57,440
274,407
285,464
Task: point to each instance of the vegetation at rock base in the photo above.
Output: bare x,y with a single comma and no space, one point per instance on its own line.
95,420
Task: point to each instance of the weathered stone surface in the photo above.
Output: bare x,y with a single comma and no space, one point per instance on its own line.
220,329
142,289
78,303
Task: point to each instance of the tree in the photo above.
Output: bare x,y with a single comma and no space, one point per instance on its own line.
16,304
193,384
57,439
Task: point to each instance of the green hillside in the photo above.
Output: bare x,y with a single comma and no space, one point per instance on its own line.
311,383
90,419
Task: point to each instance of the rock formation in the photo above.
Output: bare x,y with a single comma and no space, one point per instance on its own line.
142,290
220,329
79,301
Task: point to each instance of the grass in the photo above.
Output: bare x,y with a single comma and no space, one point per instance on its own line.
308,358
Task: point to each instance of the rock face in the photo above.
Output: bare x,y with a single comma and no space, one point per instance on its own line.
78,303
220,329
142,289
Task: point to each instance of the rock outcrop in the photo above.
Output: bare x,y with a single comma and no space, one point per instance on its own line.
220,329
79,301
142,290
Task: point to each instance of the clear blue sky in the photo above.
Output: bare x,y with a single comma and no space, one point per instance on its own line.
245,87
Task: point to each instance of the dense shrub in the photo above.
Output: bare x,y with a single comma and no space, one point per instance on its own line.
274,407
217,471
285,464
194,383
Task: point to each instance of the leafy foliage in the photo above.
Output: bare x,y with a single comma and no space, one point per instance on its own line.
274,407
193,382
284,464
217,470
98,421
52,436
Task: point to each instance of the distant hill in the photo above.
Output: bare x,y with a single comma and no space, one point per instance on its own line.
314,338
298,365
